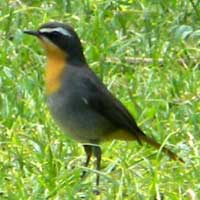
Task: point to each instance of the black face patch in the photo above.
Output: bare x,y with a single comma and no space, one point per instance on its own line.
53,36
65,38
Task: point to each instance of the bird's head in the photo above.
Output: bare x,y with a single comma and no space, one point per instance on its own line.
58,38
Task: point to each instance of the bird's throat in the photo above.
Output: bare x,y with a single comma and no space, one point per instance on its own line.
54,71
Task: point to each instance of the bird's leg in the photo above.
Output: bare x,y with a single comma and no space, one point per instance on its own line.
97,154
88,152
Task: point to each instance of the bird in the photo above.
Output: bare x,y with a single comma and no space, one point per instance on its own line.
79,101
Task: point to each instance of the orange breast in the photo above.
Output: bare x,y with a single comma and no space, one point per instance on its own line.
54,70
56,63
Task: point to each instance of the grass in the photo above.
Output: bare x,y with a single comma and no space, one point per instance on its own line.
37,161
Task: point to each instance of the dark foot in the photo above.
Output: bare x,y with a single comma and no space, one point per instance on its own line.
88,151
96,191
83,174
97,154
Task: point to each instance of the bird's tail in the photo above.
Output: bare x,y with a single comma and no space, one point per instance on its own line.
155,144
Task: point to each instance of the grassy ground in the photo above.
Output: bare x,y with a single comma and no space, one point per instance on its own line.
147,53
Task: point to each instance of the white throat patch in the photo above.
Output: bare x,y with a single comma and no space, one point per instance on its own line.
58,29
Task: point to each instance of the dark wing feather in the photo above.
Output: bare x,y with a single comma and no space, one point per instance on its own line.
103,102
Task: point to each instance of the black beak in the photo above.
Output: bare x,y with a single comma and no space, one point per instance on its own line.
34,33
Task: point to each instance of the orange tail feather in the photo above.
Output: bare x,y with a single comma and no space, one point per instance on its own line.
155,144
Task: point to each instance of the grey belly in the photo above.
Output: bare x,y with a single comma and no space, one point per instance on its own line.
78,120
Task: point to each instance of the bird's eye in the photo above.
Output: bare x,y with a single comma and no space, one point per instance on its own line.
52,33
55,33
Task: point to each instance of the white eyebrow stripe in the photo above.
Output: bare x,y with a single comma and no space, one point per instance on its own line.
58,29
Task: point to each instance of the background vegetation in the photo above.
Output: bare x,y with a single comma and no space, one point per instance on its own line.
147,53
